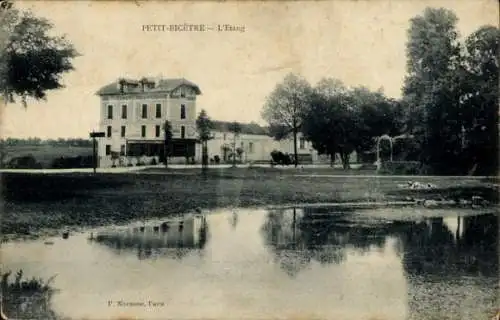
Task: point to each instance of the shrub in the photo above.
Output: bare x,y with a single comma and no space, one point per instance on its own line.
401,168
276,156
281,158
27,299
130,165
217,159
153,162
24,162
72,162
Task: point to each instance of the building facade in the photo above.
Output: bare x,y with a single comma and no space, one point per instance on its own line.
133,114
255,146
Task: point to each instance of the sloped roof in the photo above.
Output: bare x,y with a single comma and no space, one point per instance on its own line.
246,128
162,85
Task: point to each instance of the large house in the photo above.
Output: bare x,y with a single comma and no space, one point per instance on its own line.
133,113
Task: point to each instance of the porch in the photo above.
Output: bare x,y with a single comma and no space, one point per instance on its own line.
185,148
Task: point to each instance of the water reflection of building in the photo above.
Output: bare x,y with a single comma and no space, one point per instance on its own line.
183,235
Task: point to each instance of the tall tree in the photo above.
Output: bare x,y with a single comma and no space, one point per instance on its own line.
375,115
167,141
204,126
328,121
285,107
479,109
235,129
433,59
32,60
341,120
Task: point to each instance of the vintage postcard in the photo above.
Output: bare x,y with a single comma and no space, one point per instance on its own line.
329,160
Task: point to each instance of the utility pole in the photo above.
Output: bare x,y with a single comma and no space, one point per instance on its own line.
94,162
463,137
95,135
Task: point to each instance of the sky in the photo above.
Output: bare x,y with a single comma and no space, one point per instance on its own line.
357,42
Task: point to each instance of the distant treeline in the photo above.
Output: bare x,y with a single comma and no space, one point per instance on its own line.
74,142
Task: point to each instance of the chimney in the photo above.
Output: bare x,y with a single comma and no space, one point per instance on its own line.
158,79
121,84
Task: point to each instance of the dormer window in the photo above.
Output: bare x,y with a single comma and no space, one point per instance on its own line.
143,84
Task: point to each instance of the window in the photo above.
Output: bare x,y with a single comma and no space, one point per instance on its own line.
109,131
157,131
123,132
143,131
108,149
183,92
122,150
242,145
224,136
124,111
110,112
158,110
183,132
302,143
144,111
250,147
183,111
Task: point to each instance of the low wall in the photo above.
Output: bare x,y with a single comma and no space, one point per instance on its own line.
126,161
106,162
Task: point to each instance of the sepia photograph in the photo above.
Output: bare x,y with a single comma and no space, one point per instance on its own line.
254,160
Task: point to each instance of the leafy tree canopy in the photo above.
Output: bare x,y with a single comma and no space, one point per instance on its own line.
204,125
285,107
32,61
341,120
286,103
235,128
451,90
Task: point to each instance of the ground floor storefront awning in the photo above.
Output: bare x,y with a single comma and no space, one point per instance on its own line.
151,148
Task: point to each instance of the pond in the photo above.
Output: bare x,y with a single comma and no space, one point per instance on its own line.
312,262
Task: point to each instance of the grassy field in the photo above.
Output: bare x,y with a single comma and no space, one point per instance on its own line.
37,203
45,154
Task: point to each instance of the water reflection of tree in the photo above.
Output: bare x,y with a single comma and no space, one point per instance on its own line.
442,264
299,236
431,248
157,241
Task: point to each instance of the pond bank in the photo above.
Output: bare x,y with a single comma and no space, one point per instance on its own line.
41,205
